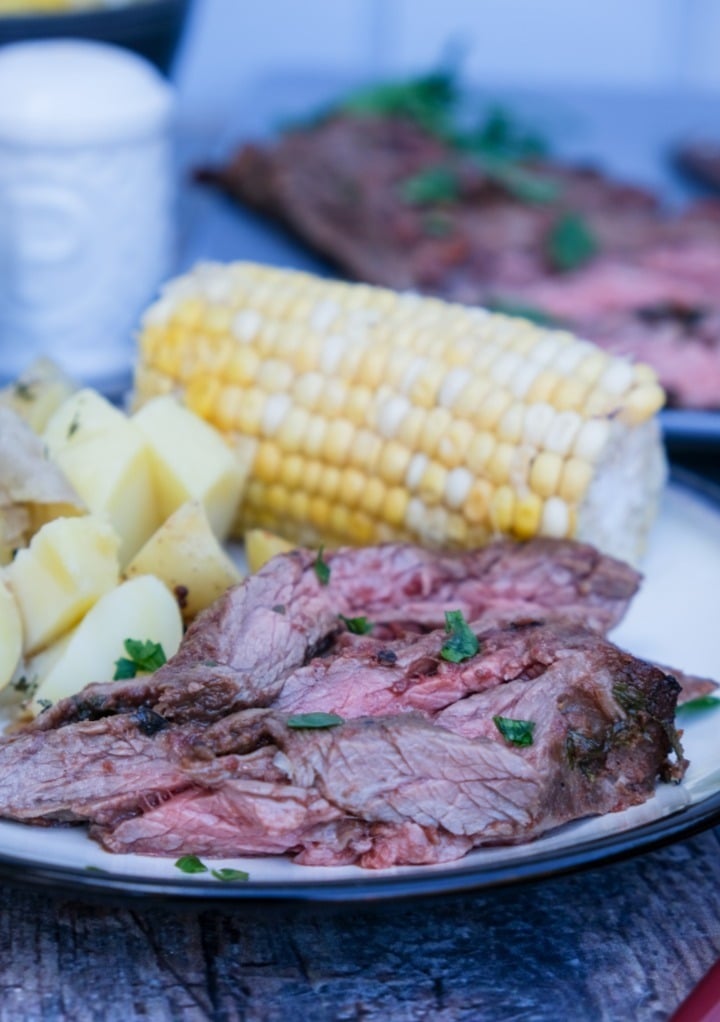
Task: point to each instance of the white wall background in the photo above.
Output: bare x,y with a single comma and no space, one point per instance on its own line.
657,45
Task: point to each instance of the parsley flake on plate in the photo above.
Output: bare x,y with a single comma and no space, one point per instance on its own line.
226,873
191,864
695,706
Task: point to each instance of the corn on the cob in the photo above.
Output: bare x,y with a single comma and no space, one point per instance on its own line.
369,415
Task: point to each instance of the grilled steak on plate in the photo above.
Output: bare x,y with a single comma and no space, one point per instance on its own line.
424,757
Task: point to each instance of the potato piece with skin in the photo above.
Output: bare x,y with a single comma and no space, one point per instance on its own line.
261,545
69,565
33,491
141,608
36,394
186,555
191,462
11,635
107,460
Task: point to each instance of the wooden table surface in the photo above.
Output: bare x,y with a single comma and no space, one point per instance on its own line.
624,944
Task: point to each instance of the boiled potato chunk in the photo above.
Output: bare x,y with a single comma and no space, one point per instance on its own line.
191,461
141,608
261,545
11,635
186,555
107,460
36,394
70,563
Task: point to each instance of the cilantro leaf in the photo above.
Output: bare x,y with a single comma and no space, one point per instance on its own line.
191,864
226,873
516,732
356,625
695,706
571,242
314,720
461,643
322,568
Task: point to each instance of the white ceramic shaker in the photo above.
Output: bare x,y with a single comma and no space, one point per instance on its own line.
86,204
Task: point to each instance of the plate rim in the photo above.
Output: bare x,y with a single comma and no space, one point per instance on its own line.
380,888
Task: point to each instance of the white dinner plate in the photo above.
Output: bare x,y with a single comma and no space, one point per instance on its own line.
674,620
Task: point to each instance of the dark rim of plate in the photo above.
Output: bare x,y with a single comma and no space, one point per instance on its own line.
390,885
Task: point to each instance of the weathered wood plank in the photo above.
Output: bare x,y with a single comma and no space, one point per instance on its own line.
627,941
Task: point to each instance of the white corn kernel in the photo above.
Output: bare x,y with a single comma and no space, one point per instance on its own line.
276,408
561,435
555,519
591,439
457,487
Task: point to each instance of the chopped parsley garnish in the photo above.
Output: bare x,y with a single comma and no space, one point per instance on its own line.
45,704
226,873
191,864
571,242
314,720
356,625
461,643
699,705
141,656
322,568
517,732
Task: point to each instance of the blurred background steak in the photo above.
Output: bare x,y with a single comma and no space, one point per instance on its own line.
391,192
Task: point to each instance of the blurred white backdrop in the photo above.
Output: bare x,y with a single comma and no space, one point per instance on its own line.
648,45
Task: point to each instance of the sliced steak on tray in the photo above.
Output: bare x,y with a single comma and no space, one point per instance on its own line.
204,757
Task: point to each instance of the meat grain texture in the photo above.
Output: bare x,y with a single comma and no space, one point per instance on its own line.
203,757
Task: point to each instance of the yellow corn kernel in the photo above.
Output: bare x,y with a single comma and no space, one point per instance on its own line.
528,512
393,462
431,488
574,480
268,460
373,496
545,473
394,506
502,509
